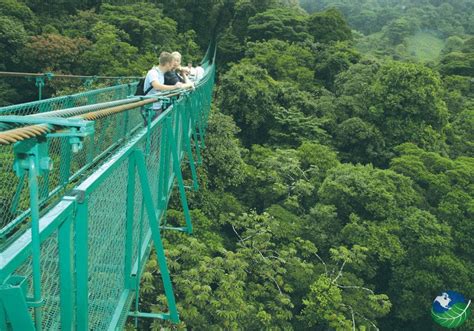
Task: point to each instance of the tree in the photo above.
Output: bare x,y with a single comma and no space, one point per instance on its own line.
316,160
292,63
279,23
247,93
54,52
428,267
458,63
338,299
232,40
108,55
55,8
461,134
292,127
8,94
230,49
222,159
272,178
20,13
12,39
329,26
445,186
331,60
145,26
407,106
397,30
359,141
189,16
370,193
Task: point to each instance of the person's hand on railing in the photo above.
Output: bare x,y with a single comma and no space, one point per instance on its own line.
189,85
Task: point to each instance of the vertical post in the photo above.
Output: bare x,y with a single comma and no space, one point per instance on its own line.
91,148
187,142
164,167
39,84
126,120
130,219
161,169
16,197
65,148
149,113
199,122
66,254
194,123
65,164
177,124
14,307
82,265
155,230
35,238
179,177
139,257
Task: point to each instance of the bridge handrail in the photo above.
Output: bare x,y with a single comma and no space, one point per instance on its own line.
74,233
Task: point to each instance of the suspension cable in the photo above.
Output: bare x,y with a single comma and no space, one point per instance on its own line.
14,135
51,75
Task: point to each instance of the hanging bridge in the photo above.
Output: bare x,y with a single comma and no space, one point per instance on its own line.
84,188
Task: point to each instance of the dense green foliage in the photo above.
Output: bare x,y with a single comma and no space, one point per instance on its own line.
337,186
410,29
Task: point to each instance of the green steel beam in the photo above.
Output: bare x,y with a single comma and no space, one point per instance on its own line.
13,303
121,307
179,176
66,268
73,122
155,230
18,252
187,142
82,263
129,226
151,315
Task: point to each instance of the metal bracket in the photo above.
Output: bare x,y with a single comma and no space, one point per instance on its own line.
72,122
78,195
39,82
13,302
89,81
76,133
34,304
37,148
77,128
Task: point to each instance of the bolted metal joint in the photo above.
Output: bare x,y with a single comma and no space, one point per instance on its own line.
32,148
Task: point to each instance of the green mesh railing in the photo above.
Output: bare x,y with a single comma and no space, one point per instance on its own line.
14,200
95,240
69,101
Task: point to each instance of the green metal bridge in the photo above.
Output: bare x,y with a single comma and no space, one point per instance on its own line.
84,188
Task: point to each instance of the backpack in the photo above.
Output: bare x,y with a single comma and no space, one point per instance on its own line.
141,87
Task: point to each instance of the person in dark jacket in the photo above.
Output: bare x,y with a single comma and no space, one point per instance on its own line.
178,74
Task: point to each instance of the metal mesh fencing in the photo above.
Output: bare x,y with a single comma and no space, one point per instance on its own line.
107,224
49,282
73,100
110,132
115,233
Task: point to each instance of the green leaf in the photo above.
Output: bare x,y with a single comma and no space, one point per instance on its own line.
454,317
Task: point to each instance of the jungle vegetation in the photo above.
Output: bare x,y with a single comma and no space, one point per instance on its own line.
337,188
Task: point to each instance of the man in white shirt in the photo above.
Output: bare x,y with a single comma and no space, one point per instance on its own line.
156,78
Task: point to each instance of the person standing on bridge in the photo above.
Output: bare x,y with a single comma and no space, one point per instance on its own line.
155,79
178,73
